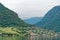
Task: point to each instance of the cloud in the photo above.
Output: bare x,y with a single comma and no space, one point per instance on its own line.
30,8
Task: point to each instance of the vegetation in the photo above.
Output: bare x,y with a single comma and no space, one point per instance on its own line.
24,33
13,28
51,20
9,18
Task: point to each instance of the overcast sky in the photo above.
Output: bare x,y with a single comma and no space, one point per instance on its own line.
30,8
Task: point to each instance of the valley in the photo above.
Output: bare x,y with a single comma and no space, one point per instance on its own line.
14,28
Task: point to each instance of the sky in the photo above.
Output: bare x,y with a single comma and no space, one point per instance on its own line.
30,8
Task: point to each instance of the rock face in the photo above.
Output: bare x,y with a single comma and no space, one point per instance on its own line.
9,18
51,20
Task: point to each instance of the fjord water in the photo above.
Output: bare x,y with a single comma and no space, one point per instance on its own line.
29,38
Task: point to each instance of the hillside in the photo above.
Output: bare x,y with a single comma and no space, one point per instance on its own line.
33,20
10,18
13,27
51,20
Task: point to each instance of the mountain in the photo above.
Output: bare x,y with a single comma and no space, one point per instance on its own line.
33,20
51,20
12,26
9,18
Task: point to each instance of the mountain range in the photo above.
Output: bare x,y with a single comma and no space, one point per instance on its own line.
11,24
51,20
33,20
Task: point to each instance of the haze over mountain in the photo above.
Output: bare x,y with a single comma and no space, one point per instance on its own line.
30,8
33,20
9,18
51,20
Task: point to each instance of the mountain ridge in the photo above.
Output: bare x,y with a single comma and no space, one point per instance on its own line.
51,20
33,20
10,18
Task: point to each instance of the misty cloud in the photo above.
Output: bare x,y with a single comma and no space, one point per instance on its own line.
30,8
